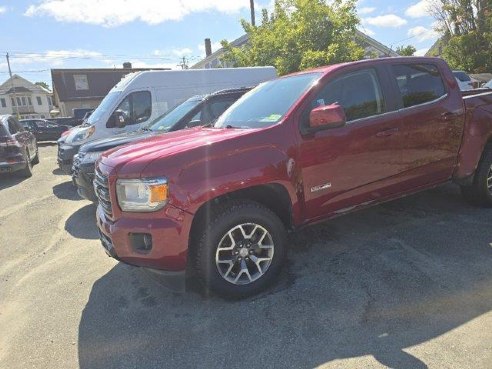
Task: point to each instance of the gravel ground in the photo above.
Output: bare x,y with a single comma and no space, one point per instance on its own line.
404,285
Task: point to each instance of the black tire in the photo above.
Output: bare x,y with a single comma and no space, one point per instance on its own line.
27,171
225,218
479,193
36,158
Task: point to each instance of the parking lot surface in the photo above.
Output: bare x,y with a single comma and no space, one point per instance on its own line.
407,284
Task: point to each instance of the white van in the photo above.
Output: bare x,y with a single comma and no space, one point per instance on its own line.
143,96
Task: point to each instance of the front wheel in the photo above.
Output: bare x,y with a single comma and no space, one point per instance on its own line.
241,250
479,193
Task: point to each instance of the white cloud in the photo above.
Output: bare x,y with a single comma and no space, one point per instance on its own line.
366,10
144,64
54,57
173,53
112,13
422,34
388,20
419,10
421,52
3,9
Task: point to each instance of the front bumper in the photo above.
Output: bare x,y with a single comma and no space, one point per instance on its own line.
169,232
66,152
82,177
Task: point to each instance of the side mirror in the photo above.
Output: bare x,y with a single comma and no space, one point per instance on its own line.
329,116
118,119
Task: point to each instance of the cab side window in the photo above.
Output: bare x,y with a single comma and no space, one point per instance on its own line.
137,106
359,93
418,83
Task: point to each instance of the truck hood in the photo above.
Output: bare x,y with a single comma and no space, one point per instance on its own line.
135,157
104,144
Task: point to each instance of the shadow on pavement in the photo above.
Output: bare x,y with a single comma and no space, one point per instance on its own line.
82,223
59,172
370,283
9,180
66,191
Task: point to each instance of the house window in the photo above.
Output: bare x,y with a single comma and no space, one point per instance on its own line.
4,104
23,101
13,101
38,98
81,82
29,100
19,102
49,100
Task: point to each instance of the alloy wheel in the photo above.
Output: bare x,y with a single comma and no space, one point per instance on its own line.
244,253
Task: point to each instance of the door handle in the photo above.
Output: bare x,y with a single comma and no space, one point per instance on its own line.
448,115
387,132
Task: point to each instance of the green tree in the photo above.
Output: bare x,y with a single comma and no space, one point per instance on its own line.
42,84
300,34
408,50
466,26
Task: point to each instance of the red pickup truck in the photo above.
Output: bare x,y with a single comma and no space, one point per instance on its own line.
296,150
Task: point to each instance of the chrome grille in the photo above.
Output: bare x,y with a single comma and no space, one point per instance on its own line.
101,188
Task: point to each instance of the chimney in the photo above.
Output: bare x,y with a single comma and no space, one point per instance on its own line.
208,47
127,65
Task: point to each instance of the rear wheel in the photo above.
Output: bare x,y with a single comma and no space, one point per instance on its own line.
27,171
479,193
241,250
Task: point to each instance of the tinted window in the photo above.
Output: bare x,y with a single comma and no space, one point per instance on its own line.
137,106
142,106
418,83
462,76
358,93
267,104
220,106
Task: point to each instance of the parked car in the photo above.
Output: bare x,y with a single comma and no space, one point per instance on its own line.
464,80
141,97
291,152
43,129
18,147
488,84
196,111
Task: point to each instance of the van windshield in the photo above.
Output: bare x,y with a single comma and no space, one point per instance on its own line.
106,104
166,121
267,104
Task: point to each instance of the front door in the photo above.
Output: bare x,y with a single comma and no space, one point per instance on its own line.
347,166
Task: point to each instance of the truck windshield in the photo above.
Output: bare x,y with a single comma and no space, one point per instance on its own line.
167,120
106,104
267,104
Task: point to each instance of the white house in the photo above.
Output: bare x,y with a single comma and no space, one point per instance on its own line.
20,97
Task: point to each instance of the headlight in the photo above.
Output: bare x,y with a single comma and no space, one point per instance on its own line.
142,195
84,134
91,156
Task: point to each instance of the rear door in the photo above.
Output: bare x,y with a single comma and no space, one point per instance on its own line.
432,123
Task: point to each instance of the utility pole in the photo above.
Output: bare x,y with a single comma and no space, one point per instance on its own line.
184,63
252,7
13,87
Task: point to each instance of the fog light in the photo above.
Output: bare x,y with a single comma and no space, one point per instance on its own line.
141,242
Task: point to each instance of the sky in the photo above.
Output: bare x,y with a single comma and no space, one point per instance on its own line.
44,34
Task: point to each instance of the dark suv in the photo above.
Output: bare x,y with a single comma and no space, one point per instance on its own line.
18,147
196,111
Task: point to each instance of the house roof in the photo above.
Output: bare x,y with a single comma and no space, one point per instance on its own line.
245,38
96,82
20,84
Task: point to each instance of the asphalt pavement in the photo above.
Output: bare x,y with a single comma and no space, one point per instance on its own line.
404,285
